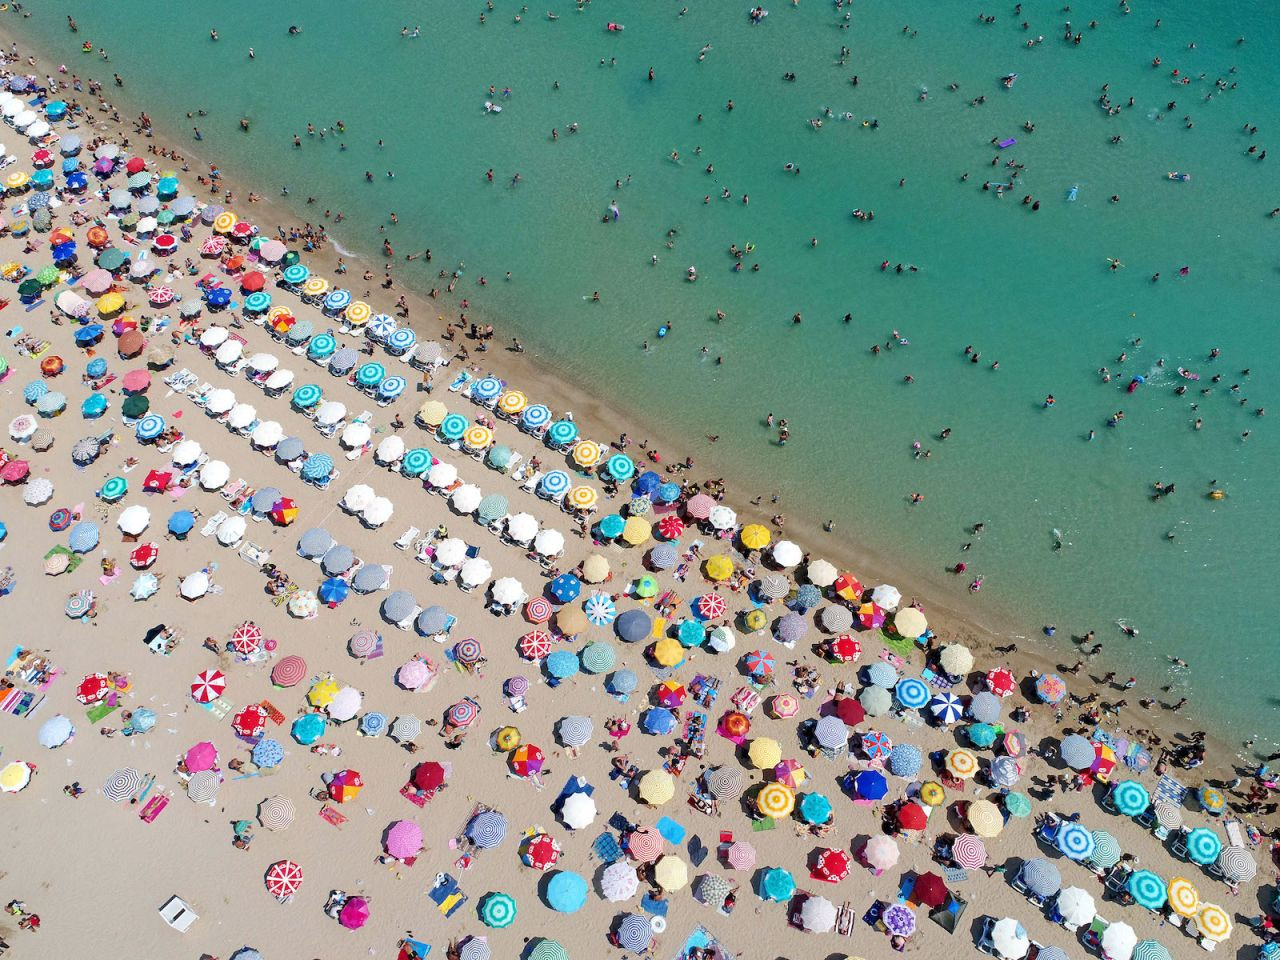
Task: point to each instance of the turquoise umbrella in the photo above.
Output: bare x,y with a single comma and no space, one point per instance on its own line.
416,462
453,426
621,467
370,374
308,728
1130,797
296,274
258,302
498,910
322,346
307,395
117,487
611,526
777,884
562,432
982,735
1203,846
1148,889
815,808
691,633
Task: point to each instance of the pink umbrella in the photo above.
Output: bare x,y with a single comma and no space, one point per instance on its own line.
355,913
699,506
136,381
741,855
413,674
212,246
202,756
403,839
96,281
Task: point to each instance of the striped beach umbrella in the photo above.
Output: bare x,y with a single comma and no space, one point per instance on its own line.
535,416
635,933
600,609
1150,950
149,427
208,685
392,387
307,396
486,388
969,851
284,879
276,813
512,402
415,462
357,312
1077,752
1214,922
538,610
1236,864
554,484
401,339
477,437
1041,877
1106,850
322,346
498,910
912,693
453,426
946,708
1168,815
598,658
1203,846
1184,898
575,731
289,671
294,274
372,724
370,374
468,652
337,300
405,728
621,467
203,786
962,763
562,433
1075,841
1130,798
487,829
463,713
122,784
587,453
644,845
548,950
1147,889
379,327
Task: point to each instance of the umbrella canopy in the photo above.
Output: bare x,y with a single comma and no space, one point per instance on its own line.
1118,941
777,884
656,787
1184,898
403,839
1147,889
566,892
671,873
1203,846
817,914
1075,841
985,818
969,851
498,910
1236,864
1076,906
1010,939
1130,798
1076,752
1106,850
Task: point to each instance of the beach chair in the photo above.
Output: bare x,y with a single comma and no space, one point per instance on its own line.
178,914
1178,847
985,943
254,554
1118,879
234,490
212,524
407,538
530,483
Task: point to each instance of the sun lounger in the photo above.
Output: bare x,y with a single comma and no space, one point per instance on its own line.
407,538
254,554
212,524
530,483
463,378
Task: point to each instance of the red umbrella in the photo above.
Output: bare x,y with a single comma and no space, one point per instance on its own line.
670,527
526,760
930,890
847,586
135,165
246,639
242,229
535,645
428,776
912,816
253,281
136,381
250,722
15,471
538,610
1001,682
208,686
42,158
850,711
645,845
832,865
541,852
289,671
92,688
144,555
711,606
845,649
284,877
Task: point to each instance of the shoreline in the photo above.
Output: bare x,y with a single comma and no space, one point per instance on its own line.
982,631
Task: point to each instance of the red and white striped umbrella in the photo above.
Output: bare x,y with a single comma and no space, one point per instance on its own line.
538,610
463,713
160,295
670,527
208,685
969,851
284,877
535,645
741,855
289,671
363,643
645,845
213,246
711,606
246,639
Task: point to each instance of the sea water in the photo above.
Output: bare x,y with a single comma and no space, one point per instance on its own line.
1072,536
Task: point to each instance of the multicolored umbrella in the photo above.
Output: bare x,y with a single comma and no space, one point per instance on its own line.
1051,688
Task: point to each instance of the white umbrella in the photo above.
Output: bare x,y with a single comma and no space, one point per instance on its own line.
508,590
522,528
214,475
267,434
390,449
378,511
1011,942
231,530
1076,906
722,518
38,491
1118,941
578,811
186,453
549,543
356,435
956,659
358,497
722,640
134,520
619,880
214,336
442,474
241,415
787,554
195,585
144,586
451,552
345,704
279,380
219,401
23,426
229,352
466,498
818,914
329,412
476,571
263,362
821,573
886,596
145,225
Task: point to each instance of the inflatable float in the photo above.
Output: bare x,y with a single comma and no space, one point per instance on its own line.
1179,177
1186,374
1006,143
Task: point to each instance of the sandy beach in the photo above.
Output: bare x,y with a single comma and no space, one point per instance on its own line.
84,864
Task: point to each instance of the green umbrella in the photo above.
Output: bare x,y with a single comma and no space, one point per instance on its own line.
165,216
548,950
290,259
31,287
48,276
130,220
1018,804
111,259
114,489
498,910
135,407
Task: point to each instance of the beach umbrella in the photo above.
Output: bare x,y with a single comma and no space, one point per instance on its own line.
723,783
268,753
122,784
1051,688
598,658
1106,850
775,800
1002,682
1203,846
527,760
985,819
37,492
777,884
208,685
656,787
283,879
540,851
354,913
1184,898
497,910
905,760
345,785
563,664
548,950
56,731
600,609
344,705
1150,950
817,914
1130,798
1076,906
403,840
830,733
1118,941
276,813
566,892
1076,752
1005,771
969,851
144,585
1212,801
985,707
79,604
899,919
1010,939
663,556
912,816
962,763
1214,923
946,708
671,873
912,693
487,829
202,756
815,808
691,633
1236,864
1075,841
1147,889
832,865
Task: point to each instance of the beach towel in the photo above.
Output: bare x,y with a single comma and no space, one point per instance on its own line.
99,711
332,815
413,949
153,808
671,831
658,908
606,848
273,714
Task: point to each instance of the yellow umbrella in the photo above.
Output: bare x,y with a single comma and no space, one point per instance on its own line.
16,180
671,873
657,787
508,738
764,753
1214,923
595,569
315,286
512,402
1184,898
755,620
110,302
755,537
775,801
931,793
225,222
478,437
668,652
718,567
962,763
432,413
984,817
910,623
636,531
583,498
14,777
323,692
587,453
357,312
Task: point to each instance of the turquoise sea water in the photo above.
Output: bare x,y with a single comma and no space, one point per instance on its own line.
1030,289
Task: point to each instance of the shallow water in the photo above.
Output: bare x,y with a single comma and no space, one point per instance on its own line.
1031,289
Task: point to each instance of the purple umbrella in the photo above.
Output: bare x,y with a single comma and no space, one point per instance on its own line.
899,919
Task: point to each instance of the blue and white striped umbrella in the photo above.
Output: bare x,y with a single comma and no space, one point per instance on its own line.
380,326
371,374
322,345
535,416
1074,840
621,467
149,427
317,466
487,829
337,300
34,390
946,708
268,753
1041,877
985,707
486,388
415,462
912,693
555,483
575,731
882,675
401,339
1051,953
663,556
905,760
600,609
1077,752
83,537
635,933
453,426
307,395
392,387
257,302
296,274
373,724
562,432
